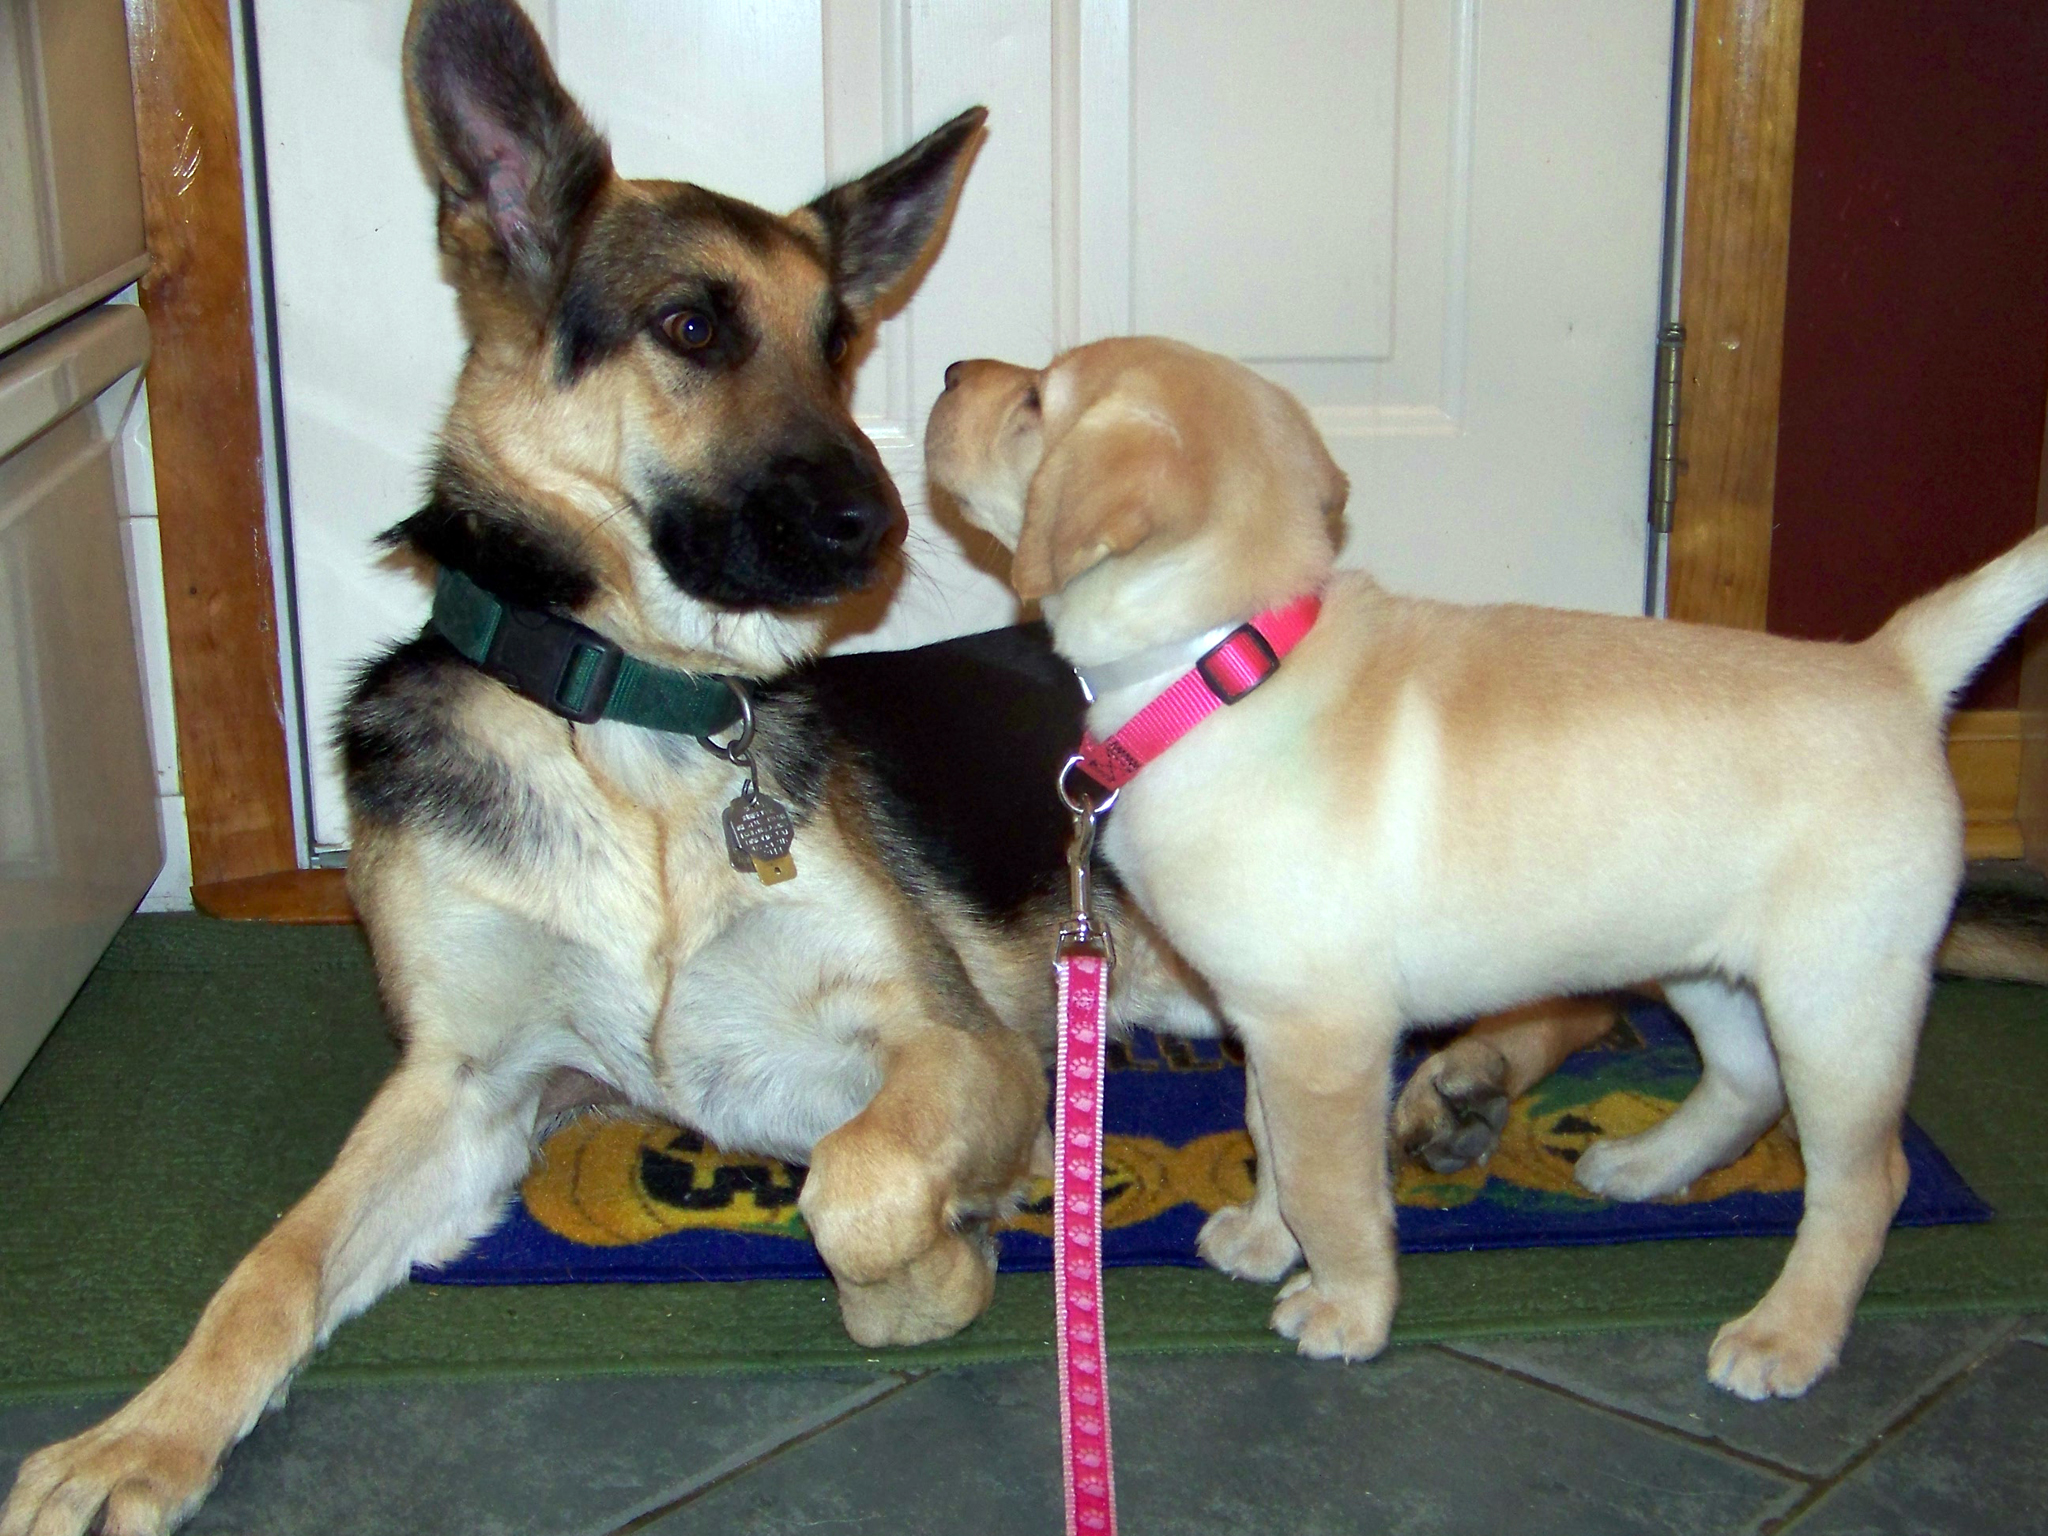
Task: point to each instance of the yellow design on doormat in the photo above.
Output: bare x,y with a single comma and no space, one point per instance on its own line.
610,1182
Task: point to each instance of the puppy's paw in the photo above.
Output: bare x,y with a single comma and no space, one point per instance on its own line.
1757,1359
120,1479
1247,1243
1630,1168
1327,1324
1454,1108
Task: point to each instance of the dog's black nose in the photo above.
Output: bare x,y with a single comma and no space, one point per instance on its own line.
952,374
854,529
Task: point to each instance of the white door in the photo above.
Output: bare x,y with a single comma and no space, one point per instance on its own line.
1437,221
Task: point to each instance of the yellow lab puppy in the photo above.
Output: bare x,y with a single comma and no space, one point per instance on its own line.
1432,811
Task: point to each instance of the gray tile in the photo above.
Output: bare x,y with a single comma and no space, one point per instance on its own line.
1971,1464
1416,1442
1661,1374
30,1425
485,1458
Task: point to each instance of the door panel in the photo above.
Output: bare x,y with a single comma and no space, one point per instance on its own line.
1437,221
1262,177
1463,284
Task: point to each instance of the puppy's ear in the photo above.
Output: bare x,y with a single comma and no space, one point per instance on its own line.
879,227
1333,490
1327,484
1116,478
516,160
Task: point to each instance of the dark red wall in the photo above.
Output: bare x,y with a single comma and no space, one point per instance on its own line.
1916,312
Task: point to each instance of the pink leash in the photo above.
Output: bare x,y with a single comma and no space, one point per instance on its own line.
1242,660
1082,962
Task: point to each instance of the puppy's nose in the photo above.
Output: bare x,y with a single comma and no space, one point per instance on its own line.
952,374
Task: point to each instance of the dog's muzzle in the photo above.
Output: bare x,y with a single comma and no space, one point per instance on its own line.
804,527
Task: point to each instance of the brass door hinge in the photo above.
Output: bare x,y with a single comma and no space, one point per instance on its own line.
1664,427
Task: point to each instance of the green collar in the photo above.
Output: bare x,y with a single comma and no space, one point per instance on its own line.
573,670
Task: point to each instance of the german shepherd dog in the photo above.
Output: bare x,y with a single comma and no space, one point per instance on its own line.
650,435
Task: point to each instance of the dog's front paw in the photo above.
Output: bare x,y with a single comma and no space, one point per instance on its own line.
871,1206
1630,1168
1330,1324
1757,1358
933,1297
1454,1108
1248,1243
131,1480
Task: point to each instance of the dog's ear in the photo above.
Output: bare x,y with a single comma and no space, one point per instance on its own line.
517,161
1117,477
879,227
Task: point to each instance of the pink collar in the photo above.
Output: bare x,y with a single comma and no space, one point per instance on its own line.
1229,670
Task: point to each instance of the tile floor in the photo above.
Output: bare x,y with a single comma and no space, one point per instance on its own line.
1929,1426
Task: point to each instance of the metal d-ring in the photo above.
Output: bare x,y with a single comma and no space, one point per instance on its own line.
1081,805
735,752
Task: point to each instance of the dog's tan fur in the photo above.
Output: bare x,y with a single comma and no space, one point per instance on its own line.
1431,811
1451,1111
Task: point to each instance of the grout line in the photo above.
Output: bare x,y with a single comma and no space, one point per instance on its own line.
1951,1372
1642,1421
1911,1415
747,1461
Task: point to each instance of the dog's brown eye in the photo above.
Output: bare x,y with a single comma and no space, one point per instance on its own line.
835,348
688,330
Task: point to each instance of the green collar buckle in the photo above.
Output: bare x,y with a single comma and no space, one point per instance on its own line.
572,670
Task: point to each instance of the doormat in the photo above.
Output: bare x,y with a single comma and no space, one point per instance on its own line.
614,1199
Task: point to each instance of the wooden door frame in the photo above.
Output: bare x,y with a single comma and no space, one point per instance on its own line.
233,748
206,435
1737,230
2030,802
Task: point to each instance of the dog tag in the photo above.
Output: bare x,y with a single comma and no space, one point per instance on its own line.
757,837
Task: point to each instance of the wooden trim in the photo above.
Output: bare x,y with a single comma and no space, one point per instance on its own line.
291,896
2033,711
1984,755
206,436
1738,221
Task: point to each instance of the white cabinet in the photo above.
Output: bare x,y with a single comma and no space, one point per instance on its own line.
70,197
79,841
79,835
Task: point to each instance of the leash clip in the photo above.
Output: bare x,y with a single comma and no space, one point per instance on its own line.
1081,934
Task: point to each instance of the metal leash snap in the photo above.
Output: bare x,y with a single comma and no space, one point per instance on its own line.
1081,934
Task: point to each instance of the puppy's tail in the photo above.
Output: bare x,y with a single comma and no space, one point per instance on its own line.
1944,637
